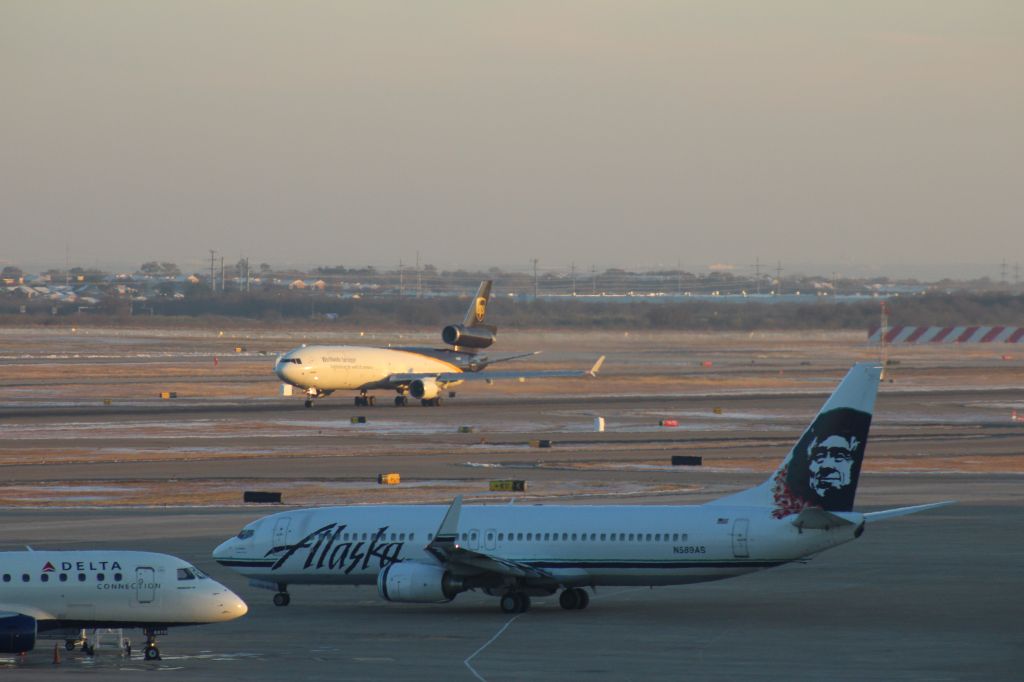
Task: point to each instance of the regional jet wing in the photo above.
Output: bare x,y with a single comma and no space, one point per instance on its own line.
484,375
446,549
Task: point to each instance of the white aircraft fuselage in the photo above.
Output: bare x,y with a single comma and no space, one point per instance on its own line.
575,545
357,368
43,590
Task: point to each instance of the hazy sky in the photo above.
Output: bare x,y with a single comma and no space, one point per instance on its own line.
632,133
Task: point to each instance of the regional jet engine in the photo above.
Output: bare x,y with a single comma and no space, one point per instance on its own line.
17,633
413,582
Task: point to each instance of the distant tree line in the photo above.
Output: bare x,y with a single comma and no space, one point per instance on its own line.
290,307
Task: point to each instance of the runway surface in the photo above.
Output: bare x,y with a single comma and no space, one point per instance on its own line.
936,596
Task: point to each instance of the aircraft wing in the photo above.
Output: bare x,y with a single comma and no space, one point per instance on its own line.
484,375
446,549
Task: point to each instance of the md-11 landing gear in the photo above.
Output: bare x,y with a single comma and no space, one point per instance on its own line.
282,598
573,598
363,400
401,400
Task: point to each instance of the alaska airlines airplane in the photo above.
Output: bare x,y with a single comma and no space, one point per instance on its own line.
58,594
423,373
429,554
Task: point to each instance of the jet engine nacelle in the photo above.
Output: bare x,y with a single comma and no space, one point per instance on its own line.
424,389
417,583
17,634
468,337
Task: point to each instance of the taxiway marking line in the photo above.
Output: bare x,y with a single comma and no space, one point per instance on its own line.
487,644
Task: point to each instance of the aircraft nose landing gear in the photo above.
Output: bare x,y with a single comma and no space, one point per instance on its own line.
151,652
282,599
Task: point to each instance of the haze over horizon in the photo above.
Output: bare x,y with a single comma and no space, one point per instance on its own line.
871,137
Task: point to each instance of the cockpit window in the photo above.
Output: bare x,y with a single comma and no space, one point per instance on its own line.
199,574
186,574
245,533
294,361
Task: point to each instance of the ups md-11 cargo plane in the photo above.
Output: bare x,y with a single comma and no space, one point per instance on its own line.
57,594
428,554
423,373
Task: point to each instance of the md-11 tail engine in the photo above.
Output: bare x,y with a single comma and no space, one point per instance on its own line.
17,634
469,337
424,389
417,583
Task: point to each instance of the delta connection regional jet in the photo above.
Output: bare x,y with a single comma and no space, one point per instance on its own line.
428,554
423,373
58,594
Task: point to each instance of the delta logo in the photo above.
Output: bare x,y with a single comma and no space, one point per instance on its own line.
48,567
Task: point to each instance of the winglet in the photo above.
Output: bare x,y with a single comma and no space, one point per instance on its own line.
449,530
448,533
597,367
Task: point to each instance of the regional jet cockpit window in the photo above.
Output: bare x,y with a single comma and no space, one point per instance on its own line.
185,574
245,533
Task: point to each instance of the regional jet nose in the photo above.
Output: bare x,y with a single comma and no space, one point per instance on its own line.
225,605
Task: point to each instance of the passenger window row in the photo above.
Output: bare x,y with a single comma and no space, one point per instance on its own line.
584,537
62,577
380,535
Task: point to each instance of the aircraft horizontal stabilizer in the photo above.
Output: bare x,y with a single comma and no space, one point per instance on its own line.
903,511
814,518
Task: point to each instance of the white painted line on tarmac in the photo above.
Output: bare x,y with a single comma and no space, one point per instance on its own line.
487,644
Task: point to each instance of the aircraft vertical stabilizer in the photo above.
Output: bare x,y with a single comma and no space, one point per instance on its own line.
822,469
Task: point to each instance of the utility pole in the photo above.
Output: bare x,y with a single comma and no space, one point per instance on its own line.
778,278
419,277
593,279
222,274
1002,272
535,279
573,269
213,282
401,279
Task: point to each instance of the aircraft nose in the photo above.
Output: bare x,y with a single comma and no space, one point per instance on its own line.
226,605
225,549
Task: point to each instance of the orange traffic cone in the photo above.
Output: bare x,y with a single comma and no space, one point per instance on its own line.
56,654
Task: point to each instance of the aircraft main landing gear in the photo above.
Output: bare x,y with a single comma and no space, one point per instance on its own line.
309,402
431,402
515,602
282,598
401,401
364,400
151,652
573,598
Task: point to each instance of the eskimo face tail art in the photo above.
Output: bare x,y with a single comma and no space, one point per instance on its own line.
824,466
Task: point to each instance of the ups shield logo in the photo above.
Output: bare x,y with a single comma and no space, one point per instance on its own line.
481,308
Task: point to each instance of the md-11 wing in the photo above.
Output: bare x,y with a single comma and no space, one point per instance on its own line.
407,378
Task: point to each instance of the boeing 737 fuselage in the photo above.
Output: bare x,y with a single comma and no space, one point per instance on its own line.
59,593
432,553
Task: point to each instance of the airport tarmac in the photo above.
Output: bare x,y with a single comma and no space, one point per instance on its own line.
933,596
